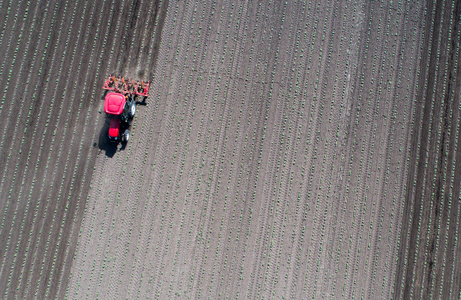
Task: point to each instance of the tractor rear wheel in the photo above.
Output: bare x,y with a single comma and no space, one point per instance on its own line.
126,136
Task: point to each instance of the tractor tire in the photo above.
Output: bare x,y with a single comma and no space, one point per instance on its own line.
132,110
126,136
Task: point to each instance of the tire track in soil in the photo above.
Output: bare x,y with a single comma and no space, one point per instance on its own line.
205,124
153,131
367,145
301,38
334,132
184,165
201,137
448,288
168,206
411,92
255,81
327,134
439,181
346,114
278,88
345,117
411,163
294,249
214,139
434,149
440,222
145,235
154,32
372,186
156,40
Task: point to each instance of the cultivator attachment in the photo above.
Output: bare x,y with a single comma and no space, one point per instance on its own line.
126,86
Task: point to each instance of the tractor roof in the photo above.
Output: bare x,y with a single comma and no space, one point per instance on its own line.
114,103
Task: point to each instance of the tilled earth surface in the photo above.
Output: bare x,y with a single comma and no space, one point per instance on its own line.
287,149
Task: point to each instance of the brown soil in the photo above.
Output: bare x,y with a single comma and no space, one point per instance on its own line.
287,150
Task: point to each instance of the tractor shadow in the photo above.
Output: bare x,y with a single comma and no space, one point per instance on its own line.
142,102
104,143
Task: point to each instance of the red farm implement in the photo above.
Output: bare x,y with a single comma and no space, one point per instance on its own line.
126,86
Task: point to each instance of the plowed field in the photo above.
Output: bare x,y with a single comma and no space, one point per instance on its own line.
288,149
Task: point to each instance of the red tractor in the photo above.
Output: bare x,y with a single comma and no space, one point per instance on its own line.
120,105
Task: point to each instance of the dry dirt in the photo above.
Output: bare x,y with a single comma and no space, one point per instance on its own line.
287,150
